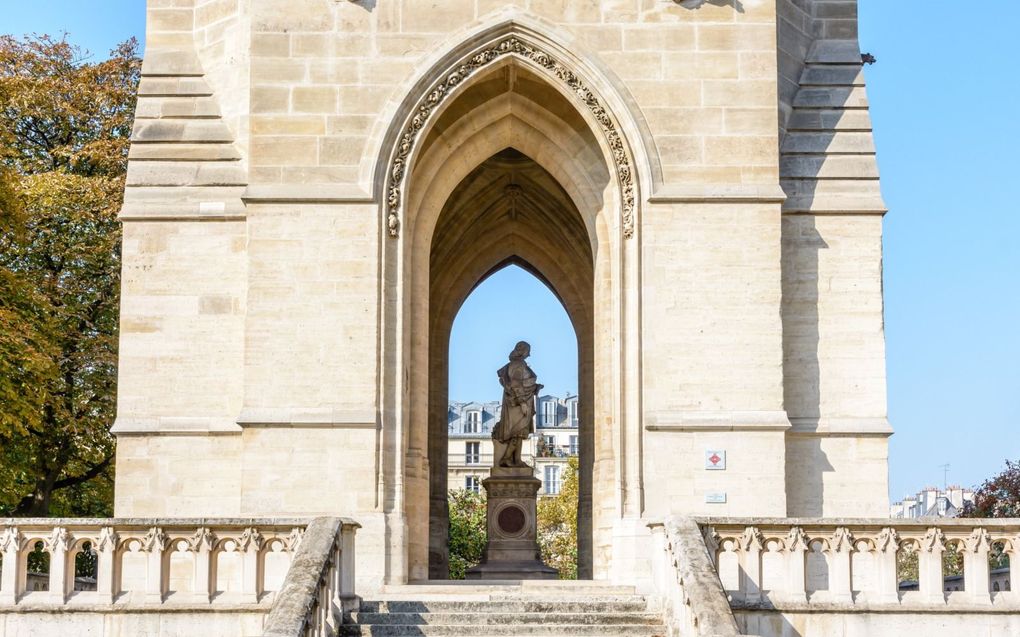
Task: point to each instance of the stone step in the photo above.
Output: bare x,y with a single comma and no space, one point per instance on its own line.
509,630
505,617
518,587
583,605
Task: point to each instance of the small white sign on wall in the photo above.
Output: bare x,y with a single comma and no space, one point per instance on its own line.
715,460
715,497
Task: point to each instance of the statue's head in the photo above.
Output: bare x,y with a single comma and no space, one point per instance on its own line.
521,351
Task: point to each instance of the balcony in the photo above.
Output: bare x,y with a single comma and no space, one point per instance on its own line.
556,451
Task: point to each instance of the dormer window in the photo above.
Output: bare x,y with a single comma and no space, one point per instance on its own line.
473,422
549,413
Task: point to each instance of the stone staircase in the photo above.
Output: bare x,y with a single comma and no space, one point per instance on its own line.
458,609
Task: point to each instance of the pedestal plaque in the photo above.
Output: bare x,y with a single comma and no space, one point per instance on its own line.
512,549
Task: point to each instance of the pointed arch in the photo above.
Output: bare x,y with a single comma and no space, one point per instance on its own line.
598,99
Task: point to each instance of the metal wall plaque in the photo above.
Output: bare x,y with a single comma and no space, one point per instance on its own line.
716,497
715,460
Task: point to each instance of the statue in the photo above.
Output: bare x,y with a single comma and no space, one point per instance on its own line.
517,417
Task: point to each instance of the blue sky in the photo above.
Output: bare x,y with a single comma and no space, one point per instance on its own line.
944,97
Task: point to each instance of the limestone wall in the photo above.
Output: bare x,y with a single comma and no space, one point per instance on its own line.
275,354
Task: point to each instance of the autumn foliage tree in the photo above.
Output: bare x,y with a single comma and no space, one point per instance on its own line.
998,497
557,525
64,127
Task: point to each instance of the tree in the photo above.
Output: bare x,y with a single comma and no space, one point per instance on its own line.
467,531
998,497
557,525
64,126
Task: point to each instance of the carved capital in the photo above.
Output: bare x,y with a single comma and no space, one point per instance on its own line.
59,540
10,539
155,540
796,541
251,538
711,540
933,540
841,541
978,541
293,540
108,539
202,540
751,540
888,540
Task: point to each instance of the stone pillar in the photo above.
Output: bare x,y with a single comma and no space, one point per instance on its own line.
886,585
796,565
10,545
250,543
512,549
58,544
751,545
154,543
106,556
201,546
929,566
840,550
975,567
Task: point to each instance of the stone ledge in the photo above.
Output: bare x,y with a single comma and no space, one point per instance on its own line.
873,523
717,421
906,606
840,426
308,417
722,193
307,193
174,424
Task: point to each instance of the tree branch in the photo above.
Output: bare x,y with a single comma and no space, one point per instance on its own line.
85,477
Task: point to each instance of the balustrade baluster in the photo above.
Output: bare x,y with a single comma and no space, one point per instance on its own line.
154,544
929,566
202,546
750,563
886,583
58,544
975,566
10,582
250,543
840,549
796,565
1013,551
106,554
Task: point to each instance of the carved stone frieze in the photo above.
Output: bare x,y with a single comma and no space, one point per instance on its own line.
795,540
933,540
108,539
751,540
510,45
841,541
202,540
250,538
887,540
978,541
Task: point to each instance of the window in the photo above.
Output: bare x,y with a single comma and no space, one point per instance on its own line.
549,413
472,484
472,453
552,479
573,413
573,445
472,422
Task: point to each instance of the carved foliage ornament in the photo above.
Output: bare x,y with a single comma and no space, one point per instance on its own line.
508,46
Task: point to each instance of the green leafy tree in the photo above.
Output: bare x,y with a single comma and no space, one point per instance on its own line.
467,531
557,525
65,122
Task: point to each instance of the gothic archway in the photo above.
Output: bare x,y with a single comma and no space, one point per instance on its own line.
511,102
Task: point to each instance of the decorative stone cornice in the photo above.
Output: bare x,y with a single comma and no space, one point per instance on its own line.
507,46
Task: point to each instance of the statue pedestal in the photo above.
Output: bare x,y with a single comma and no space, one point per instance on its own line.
512,550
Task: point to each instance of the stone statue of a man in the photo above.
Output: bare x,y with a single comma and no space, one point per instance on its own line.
517,418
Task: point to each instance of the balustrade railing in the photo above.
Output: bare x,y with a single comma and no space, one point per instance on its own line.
765,562
149,561
320,584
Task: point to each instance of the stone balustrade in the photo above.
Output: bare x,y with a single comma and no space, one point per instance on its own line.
835,563
145,561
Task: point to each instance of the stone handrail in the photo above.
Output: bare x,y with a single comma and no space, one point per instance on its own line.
685,576
149,561
319,583
852,563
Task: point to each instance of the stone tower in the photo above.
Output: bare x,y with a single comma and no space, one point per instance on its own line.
316,185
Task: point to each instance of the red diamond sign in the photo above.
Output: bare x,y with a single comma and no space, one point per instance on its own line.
715,459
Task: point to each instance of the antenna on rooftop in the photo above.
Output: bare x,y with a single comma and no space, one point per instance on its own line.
945,476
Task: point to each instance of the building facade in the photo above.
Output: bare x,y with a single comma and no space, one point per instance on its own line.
315,186
933,502
555,441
